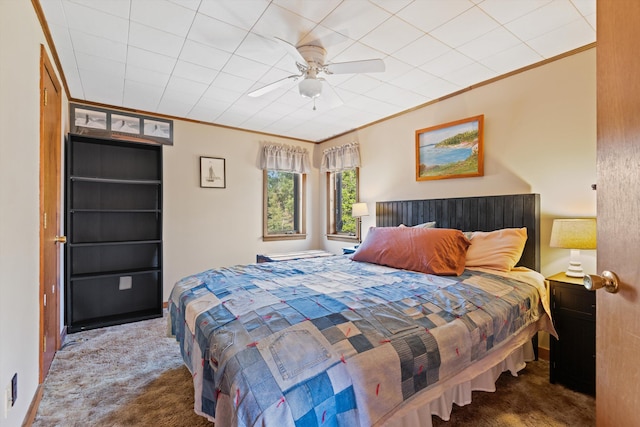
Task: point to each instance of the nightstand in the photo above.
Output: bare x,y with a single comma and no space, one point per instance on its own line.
573,356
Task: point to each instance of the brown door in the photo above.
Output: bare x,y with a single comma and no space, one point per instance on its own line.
618,187
50,105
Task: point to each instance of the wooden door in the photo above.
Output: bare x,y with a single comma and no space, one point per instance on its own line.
50,105
618,187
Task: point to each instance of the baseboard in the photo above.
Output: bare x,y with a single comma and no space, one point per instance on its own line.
30,417
543,353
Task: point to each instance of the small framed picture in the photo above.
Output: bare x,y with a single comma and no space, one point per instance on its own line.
127,124
212,172
158,128
90,118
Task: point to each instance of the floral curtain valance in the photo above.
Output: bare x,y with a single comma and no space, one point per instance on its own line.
336,159
285,158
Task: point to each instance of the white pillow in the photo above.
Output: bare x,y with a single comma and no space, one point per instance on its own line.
497,250
431,224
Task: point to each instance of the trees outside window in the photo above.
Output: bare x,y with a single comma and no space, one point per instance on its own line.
284,205
342,193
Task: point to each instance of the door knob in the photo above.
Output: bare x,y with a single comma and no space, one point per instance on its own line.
608,280
60,239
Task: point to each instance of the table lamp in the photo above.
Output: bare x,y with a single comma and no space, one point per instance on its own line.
358,210
574,234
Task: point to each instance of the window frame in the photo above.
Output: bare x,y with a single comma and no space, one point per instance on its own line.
302,195
331,211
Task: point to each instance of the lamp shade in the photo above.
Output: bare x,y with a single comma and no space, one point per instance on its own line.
573,233
359,209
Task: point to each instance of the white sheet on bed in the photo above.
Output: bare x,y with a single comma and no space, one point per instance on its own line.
531,277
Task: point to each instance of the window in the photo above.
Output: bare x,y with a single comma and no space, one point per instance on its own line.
284,181
342,193
284,205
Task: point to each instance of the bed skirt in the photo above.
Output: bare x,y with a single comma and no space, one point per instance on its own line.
481,376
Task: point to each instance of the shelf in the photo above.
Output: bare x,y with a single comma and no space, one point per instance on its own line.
108,196
115,180
101,296
100,322
90,227
124,242
87,276
114,210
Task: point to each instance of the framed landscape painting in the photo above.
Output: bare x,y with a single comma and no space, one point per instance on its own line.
450,150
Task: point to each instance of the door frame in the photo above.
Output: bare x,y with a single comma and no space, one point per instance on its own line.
48,71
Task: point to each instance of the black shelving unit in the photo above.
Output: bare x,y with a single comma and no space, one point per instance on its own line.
113,218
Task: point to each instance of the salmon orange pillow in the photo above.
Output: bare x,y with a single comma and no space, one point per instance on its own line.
497,250
428,250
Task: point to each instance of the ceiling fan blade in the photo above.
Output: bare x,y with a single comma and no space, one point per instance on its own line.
271,86
292,51
365,66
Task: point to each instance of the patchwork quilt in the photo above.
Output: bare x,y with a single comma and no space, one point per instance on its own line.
334,342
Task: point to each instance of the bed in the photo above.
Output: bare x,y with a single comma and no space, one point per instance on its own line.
340,342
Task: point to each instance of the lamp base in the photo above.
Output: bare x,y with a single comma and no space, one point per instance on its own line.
575,269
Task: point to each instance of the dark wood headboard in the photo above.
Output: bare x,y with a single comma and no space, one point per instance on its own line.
485,213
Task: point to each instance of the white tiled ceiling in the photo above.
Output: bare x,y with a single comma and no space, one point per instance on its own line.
198,59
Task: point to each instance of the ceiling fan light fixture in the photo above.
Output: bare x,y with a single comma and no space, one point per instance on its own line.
310,88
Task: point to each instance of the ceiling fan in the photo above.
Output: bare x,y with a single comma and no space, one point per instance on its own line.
310,62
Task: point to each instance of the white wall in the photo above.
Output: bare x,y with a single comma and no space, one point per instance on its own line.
213,227
20,39
540,137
